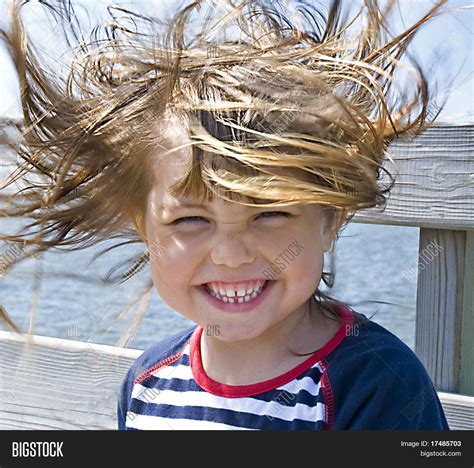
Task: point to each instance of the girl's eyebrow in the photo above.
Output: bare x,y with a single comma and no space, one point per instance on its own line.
182,204
187,204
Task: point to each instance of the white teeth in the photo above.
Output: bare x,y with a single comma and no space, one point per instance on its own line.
232,291
230,294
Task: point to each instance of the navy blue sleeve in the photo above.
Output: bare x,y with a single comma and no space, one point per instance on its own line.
377,382
124,398
147,359
143,362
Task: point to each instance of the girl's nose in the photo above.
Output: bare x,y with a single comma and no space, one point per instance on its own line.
232,250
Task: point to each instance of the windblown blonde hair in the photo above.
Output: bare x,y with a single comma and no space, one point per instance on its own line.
256,85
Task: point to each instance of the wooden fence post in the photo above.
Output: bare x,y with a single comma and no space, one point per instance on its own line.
444,315
466,378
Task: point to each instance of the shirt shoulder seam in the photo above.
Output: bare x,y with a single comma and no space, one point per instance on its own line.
328,396
163,363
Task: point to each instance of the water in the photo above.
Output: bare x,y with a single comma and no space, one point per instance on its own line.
370,264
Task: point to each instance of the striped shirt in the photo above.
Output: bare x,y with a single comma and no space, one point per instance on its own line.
167,388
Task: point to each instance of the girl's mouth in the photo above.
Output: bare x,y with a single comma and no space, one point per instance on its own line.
241,303
238,297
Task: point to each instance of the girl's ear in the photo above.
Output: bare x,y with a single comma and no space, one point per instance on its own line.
333,220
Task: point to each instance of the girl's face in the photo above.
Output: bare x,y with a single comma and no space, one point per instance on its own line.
232,246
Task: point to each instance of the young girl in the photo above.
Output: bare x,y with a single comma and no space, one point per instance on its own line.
237,145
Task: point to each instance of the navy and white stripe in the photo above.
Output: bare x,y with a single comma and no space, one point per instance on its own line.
170,398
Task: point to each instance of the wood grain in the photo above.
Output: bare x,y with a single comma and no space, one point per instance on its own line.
459,410
466,371
439,305
434,181
60,384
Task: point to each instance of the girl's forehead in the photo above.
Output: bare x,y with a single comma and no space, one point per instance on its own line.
170,203
169,168
170,163
173,161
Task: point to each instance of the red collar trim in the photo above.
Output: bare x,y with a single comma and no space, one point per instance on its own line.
235,391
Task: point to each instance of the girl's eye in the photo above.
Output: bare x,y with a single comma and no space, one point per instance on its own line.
277,213
197,219
188,219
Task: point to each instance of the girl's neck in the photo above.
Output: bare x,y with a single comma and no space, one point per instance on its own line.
270,355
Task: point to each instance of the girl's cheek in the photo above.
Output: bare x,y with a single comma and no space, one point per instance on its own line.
174,258
302,259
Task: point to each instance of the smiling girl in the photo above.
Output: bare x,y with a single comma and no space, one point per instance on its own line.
237,169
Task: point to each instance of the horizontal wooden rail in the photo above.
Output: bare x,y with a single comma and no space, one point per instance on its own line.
459,410
434,186
60,384
64,384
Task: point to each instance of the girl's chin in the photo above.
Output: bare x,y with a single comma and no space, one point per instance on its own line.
232,334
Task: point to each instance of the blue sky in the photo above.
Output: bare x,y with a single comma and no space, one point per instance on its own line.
449,39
